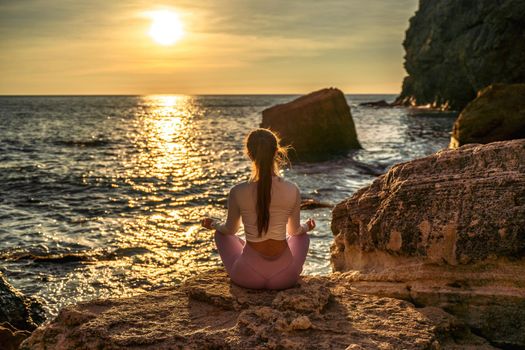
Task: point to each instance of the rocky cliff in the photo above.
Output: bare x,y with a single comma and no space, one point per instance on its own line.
455,48
208,312
318,125
447,230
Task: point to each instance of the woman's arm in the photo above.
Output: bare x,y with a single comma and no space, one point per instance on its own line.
294,227
233,221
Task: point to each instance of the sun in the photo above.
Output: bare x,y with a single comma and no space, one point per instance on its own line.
166,27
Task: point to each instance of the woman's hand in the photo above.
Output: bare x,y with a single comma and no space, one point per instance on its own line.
207,222
310,223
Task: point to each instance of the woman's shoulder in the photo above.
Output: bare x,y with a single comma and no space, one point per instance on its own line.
290,184
246,185
240,186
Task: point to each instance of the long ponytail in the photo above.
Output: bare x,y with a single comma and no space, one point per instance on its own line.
262,146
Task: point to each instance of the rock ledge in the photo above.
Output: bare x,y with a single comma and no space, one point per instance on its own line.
207,311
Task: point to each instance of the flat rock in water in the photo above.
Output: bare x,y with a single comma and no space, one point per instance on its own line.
310,203
318,125
377,104
209,312
446,230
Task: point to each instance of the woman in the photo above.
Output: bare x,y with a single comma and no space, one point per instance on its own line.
276,243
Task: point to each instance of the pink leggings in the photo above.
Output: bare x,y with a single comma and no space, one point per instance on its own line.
249,268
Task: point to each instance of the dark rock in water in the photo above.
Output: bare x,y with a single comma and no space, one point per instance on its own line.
93,142
311,203
318,125
128,251
81,257
209,312
51,258
454,48
446,230
24,313
10,337
60,258
368,169
497,114
378,104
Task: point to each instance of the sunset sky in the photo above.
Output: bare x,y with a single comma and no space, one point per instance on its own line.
223,47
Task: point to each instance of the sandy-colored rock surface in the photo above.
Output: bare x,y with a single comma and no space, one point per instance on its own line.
318,125
497,114
208,312
447,230
454,207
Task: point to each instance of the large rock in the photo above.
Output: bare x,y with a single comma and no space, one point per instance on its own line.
20,311
447,230
455,48
208,312
317,125
497,114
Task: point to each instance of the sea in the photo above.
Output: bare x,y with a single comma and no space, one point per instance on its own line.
101,196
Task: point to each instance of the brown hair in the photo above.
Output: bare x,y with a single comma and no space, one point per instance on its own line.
268,156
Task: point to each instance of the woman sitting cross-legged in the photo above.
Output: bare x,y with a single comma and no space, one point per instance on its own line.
276,243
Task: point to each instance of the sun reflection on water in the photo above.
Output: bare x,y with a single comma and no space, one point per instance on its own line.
168,161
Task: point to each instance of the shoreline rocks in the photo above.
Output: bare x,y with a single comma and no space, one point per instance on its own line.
447,230
19,315
10,337
497,114
318,125
208,311
455,48
20,311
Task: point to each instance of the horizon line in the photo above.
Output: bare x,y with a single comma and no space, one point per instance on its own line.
175,94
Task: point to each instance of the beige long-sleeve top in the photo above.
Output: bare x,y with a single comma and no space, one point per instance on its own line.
285,207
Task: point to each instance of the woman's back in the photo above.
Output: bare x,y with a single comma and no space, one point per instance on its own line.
285,199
